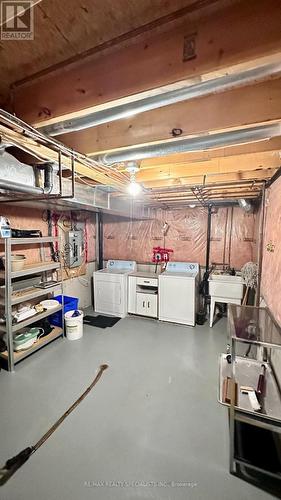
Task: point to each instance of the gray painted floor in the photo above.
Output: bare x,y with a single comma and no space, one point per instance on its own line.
153,417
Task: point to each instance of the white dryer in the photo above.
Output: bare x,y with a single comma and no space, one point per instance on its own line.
111,287
178,293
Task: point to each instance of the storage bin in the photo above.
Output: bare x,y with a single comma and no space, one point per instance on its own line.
70,304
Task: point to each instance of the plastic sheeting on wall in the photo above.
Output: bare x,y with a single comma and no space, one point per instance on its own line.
233,238
28,218
233,234
271,266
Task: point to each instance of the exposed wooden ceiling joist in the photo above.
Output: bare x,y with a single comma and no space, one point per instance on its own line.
214,189
16,137
254,34
179,196
194,201
99,27
273,146
149,66
248,105
234,164
164,17
201,179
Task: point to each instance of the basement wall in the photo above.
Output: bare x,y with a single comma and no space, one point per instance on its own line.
271,267
78,281
232,236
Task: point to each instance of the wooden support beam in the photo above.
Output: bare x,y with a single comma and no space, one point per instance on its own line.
44,153
213,189
247,162
208,192
243,106
200,179
212,195
191,200
183,159
240,34
209,199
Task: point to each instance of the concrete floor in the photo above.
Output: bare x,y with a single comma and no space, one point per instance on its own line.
153,418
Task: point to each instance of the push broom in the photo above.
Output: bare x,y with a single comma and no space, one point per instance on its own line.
13,464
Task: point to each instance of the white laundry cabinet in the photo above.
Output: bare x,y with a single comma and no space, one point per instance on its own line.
143,295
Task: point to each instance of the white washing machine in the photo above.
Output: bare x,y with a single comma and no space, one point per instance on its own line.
178,293
111,287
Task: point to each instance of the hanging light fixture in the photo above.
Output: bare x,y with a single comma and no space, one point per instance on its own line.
133,188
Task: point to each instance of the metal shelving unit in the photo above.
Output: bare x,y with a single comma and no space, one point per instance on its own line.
33,269
10,298
255,340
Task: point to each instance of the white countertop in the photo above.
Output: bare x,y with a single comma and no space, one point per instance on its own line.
145,275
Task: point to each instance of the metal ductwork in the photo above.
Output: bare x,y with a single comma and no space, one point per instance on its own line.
48,177
159,100
11,168
20,188
91,198
201,143
246,205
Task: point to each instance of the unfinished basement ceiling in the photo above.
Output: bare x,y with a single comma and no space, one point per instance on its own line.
121,53
81,25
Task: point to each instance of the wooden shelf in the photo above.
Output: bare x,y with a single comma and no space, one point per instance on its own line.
32,269
31,241
31,293
33,319
18,356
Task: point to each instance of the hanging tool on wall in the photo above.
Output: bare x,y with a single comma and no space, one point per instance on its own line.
13,464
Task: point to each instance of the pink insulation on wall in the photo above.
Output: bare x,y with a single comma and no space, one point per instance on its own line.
271,267
232,234
29,218
26,218
90,238
81,220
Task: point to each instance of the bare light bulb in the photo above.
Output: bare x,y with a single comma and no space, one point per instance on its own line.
134,188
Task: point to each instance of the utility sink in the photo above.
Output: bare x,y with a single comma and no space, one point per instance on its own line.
226,286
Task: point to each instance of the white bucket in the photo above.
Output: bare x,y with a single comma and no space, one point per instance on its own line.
73,326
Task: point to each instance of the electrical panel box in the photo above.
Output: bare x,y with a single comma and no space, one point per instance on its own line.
74,248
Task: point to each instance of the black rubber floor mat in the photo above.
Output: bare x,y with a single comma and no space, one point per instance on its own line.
101,321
